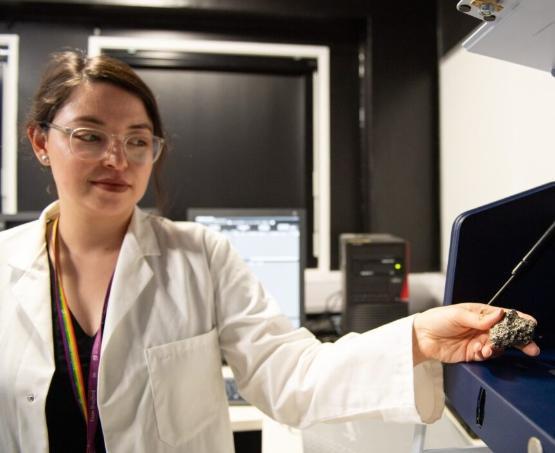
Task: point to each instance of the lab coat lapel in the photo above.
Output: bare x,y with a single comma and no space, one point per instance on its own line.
133,271
32,291
30,281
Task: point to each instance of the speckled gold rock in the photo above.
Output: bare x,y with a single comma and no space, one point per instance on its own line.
512,330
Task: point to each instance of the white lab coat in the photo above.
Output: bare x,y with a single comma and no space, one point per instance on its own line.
181,298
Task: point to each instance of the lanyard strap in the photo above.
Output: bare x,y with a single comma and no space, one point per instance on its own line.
88,403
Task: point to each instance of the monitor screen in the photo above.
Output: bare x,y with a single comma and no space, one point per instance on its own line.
271,241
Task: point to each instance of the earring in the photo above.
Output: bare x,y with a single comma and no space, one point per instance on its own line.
44,158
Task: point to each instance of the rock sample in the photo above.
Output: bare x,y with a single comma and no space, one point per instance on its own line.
512,330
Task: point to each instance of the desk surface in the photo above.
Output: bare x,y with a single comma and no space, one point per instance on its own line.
245,418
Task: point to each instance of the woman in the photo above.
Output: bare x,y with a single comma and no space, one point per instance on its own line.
113,322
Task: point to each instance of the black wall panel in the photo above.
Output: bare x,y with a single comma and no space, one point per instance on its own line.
237,139
403,180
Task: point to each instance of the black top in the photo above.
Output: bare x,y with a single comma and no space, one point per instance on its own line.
67,430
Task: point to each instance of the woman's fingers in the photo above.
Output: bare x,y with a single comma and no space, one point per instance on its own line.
478,352
487,351
531,349
526,316
460,332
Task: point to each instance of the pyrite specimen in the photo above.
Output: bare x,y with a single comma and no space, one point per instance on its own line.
512,330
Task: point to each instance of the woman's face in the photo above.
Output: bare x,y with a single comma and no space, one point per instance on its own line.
113,185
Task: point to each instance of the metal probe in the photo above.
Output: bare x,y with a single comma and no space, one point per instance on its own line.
525,261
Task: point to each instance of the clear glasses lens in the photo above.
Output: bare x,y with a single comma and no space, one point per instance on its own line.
91,144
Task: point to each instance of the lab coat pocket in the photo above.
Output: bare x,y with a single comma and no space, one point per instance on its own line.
187,386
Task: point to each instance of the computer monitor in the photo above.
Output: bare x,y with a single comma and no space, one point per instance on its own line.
272,243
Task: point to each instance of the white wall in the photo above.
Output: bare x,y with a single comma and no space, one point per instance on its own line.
497,132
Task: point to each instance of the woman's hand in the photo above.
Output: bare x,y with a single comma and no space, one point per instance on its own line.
459,333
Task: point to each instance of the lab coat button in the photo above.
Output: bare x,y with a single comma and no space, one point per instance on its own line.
30,397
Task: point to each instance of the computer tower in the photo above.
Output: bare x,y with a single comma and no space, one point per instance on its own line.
374,280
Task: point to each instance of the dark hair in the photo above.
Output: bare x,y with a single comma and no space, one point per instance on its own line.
69,69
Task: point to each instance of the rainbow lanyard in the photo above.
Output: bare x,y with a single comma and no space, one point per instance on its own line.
88,404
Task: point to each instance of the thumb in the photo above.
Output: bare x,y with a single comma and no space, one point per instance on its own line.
483,319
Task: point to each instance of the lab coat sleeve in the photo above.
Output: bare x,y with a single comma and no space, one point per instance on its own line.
297,380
